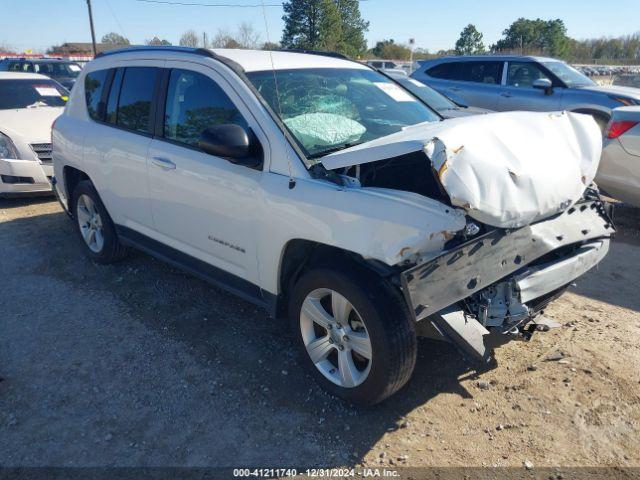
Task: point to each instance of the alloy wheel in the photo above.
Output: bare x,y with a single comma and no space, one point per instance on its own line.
336,338
90,223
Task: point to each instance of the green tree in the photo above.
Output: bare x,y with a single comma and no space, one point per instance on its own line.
157,42
389,49
470,41
334,25
353,28
271,46
535,36
114,38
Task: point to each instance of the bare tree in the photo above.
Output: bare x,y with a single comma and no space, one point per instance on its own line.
222,39
247,36
5,47
189,39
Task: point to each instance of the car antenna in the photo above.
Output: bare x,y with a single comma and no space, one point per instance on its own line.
292,181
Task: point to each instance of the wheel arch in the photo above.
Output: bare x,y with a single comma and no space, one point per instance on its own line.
298,255
72,177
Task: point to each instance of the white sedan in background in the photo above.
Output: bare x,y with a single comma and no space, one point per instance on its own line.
619,172
29,104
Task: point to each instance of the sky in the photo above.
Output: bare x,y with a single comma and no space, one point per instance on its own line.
435,25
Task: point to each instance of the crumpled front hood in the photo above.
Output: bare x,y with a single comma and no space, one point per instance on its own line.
505,169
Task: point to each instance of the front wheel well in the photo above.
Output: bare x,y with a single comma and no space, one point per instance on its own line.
299,256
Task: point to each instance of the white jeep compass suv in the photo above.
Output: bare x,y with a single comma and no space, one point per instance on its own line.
321,190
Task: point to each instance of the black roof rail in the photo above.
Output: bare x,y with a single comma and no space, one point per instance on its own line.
158,48
208,53
313,52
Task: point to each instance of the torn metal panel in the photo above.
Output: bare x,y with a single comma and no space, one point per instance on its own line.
458,273
465,332
505,169
548,277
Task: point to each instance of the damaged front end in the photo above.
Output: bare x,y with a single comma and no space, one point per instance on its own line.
535,222
487,290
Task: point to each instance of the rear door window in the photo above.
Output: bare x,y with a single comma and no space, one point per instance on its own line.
136,95
477,72
483,72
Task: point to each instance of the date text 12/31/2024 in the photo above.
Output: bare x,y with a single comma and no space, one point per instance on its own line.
315,472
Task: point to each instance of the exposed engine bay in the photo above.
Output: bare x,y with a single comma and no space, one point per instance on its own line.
535,221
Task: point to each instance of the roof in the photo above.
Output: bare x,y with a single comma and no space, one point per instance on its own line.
260,60
22,76
252,60
463,58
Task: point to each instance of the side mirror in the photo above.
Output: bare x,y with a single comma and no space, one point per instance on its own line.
233,142
543,84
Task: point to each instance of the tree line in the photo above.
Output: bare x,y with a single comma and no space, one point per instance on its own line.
338,26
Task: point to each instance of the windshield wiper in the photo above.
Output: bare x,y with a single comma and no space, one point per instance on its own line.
337,148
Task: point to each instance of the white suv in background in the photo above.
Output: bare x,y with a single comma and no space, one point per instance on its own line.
321,190
29,104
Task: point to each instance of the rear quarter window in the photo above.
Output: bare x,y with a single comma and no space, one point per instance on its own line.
446,71
94,84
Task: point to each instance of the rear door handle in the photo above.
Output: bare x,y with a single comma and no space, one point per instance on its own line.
455,89
506,95
163,163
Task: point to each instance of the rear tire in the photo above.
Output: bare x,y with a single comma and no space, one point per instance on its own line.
377,324
94,225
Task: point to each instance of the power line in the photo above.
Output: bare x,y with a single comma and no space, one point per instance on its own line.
113,14
230,5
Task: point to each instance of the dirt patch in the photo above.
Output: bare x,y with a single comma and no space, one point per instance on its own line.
141,364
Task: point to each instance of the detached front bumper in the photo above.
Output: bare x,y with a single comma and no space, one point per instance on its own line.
24,177
506,274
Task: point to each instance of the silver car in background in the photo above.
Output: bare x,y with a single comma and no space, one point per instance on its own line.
509,82
445,106
619,171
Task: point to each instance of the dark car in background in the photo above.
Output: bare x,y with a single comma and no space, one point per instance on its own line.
64,72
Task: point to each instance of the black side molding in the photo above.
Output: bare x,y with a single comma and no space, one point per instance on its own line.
203,270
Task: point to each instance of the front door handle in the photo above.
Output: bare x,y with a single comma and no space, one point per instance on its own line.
455,89
506,95
163,163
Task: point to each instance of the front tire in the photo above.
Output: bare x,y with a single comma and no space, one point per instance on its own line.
94,225
354,333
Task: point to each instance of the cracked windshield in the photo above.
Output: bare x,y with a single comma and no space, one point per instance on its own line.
330,109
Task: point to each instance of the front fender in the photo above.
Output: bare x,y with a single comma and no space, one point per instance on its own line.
386,225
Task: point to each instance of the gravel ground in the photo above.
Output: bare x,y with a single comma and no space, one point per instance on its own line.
139,364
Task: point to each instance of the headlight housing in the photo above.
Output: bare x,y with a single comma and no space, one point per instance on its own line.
7,148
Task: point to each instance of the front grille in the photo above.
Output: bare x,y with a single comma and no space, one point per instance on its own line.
12,179
43,151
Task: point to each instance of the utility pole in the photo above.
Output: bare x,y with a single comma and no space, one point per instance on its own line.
93,33
412,44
